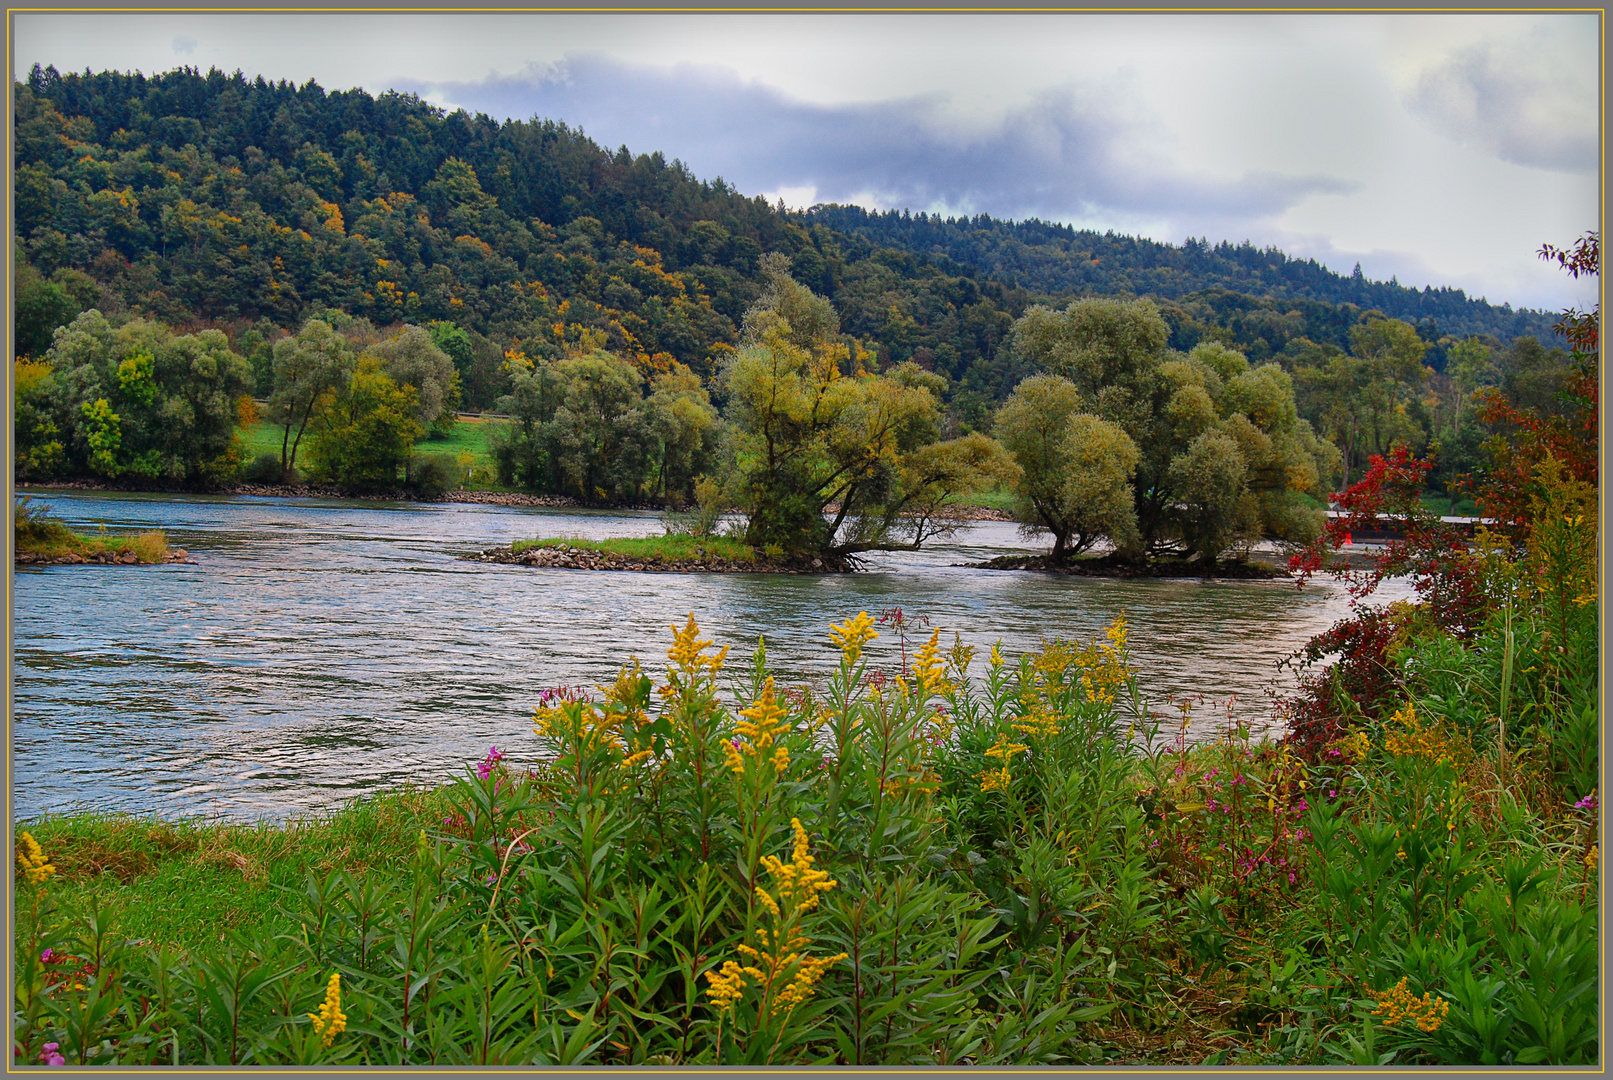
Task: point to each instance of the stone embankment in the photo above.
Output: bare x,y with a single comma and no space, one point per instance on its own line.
99,558
582,558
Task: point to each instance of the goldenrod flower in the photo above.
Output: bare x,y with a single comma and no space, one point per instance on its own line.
781,759
780,968
728,984
764,723
995,780
330,1020
1043,725
1410,737
798,884
996,656
1397,1005
850,637
929,668
31,861
1591,858
1005,750
687,648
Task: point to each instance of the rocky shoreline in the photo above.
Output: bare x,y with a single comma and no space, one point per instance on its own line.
1108,566
581,558
100,558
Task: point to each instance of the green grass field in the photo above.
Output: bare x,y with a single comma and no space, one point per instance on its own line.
470,436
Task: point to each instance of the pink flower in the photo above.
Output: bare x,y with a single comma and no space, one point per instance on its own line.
484,768
47,957
1587,803
48,1054
1291,879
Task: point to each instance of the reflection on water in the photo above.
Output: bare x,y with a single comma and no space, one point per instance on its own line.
322,648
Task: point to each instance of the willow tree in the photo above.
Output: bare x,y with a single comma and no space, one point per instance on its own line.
1221,456
829,457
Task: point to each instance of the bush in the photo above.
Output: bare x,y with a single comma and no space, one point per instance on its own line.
430,475
266,469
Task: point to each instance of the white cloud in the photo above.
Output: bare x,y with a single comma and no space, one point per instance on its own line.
1530,99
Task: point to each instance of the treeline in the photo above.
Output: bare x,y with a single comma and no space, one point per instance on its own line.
250,206
1058,259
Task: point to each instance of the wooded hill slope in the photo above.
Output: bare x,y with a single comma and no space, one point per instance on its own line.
213,199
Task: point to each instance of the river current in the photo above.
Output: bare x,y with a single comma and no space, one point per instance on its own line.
321,649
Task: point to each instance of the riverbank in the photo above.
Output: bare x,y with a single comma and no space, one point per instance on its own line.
1252,569
483,496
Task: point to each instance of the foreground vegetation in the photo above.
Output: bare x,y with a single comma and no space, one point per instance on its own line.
967,861
36,533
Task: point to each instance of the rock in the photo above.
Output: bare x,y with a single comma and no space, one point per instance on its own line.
128,558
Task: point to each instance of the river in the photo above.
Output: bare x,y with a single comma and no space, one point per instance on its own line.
321,649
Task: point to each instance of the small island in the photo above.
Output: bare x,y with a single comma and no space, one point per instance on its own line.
676,554
41,540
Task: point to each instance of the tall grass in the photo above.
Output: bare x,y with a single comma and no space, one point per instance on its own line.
35,531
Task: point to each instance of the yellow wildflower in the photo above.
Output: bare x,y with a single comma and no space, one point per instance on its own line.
850,637
1408,736
764,721
995,780
330,1021
1005,750
929,667
780,968
1397,1005
31,861
734,762
687,647
996,656
798,884
1043,725
781,759
1591,858
728,985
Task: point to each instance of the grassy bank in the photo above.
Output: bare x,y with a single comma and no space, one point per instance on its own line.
470,435
972,860
651,547
188,885
41,536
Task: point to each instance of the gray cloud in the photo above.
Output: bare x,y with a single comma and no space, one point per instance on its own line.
185,45
1523,100
1071,153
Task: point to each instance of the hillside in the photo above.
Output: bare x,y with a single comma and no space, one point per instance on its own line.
213,199
1060,260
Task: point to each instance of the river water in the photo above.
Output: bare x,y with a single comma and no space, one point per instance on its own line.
321,649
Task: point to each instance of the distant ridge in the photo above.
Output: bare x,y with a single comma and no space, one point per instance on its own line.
1058,259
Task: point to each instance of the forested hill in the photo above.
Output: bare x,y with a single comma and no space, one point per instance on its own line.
1058,259
213,199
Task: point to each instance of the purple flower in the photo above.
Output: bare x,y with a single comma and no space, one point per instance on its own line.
1332,794
1302,805
47,957
484,768
1291,879
48,1054
1587,803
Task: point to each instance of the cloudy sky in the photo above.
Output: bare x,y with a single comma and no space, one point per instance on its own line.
1441,149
